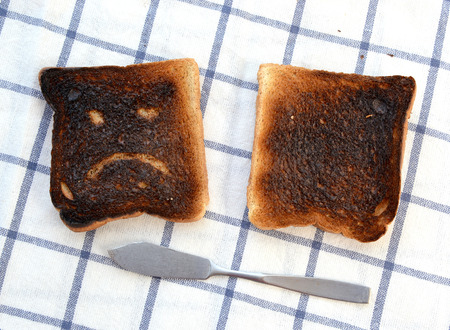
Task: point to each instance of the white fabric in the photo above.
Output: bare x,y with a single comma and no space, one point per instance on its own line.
52,277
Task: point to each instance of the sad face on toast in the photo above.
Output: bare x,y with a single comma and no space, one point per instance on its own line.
126,140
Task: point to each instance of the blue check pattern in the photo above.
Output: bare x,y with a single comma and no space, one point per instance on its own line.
301,315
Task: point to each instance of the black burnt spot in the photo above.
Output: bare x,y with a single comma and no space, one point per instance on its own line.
379,106
74,93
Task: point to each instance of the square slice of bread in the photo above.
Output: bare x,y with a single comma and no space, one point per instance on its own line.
126,140
328,150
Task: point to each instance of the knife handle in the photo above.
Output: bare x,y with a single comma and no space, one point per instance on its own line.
310,285
321,287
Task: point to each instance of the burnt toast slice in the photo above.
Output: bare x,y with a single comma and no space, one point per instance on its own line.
126,141
328,150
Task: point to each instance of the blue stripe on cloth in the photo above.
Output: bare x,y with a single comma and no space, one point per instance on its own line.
319,35
242,14
105,45
146,31
367,34
292,311
421,275
310,270
293,32
149,303
235,265
399,54
115,48
24,163
21,89
262,303
227,149
328,322
431,63
412,170
201,285
322,36
429,131
237,223
36,22
204,4
35,317
329,248
167,233
71,33
261,20
36,150
53,246
219,76
155,282
223,218
89,237
23,193
3,13
241,296
278,307
237,295
215,52
78,280
233,81
426,203
254,18
81,37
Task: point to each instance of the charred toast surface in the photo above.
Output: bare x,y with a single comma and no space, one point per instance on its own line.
126,140
328,150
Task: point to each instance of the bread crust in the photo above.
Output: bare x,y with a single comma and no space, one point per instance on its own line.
126,141
328,150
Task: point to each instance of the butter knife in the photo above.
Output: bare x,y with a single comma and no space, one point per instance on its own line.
154,260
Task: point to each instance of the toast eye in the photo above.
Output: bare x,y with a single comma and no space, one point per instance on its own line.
96,117
148,113
379,106
73,94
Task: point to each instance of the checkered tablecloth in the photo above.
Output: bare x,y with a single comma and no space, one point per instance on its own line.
51,277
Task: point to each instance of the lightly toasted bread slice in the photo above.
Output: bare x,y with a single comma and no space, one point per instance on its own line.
126,141
328,150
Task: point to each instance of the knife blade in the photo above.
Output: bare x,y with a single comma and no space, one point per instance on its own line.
154,260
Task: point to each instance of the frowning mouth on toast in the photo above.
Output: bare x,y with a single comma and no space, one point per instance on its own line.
120,156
